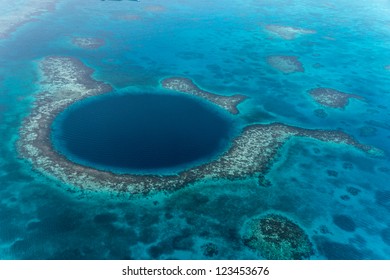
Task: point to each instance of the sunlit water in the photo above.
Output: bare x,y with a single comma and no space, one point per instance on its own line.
338,195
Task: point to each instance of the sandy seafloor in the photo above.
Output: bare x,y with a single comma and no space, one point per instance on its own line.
222,46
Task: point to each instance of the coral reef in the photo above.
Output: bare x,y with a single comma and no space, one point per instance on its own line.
344,222
276,237
210,250
287,32
66,80
11,19
155,8
367,131
339,251
185,85
321,113
87,42
353,191
332,98
285,64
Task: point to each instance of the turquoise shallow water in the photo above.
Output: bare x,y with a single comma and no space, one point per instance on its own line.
338,195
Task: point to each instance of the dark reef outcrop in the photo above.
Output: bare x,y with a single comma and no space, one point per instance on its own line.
285,64
276,237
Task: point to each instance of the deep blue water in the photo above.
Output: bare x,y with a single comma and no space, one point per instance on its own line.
338,195
140,131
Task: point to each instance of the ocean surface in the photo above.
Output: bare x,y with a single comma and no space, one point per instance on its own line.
339,196
141,132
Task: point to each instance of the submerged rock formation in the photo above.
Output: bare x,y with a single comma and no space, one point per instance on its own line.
287,32
285,64
185,85
276,237
88,42
17,15
332,98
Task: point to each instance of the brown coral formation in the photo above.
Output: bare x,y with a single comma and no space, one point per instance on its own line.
66,80
332,98
185,85
276,237
285,64
287,32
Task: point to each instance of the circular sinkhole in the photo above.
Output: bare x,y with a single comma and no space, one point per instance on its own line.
141,133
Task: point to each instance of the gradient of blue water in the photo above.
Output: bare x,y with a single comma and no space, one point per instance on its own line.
223,48
141,132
